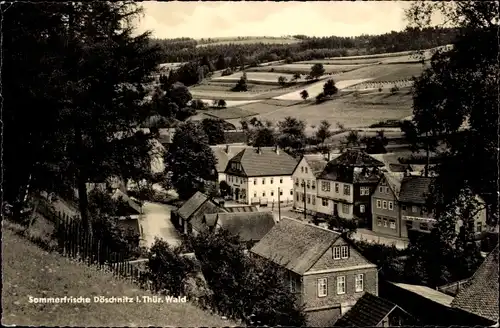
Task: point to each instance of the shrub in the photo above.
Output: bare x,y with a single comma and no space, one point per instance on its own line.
227,72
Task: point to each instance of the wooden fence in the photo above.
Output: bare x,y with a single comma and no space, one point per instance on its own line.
75,241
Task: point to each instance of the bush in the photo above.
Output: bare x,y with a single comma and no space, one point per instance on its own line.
227,72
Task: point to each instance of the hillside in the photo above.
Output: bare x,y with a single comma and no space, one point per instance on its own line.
30,271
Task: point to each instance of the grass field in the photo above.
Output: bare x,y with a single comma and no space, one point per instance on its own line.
228,113
314,89
255,77
30,271
302,68
226,86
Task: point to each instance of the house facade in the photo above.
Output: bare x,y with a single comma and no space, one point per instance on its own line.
327,274
304,182
345,186
385,205
261,176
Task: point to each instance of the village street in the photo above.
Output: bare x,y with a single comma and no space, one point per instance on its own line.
155,222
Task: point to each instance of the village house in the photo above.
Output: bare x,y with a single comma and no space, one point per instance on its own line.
261,176
325,271
223,153
304,177
373,311
345,186
251,227
399,205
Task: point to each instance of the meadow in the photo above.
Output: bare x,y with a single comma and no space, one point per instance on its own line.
302,68
255,77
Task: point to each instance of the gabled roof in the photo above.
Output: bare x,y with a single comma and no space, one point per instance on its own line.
368,311
427,292
264,162
316,163
414,189
394,181
249,226
191,205
356,158
295,245
480,295
223,153
133,207
208,207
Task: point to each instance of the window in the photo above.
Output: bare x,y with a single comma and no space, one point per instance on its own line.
297,181
392,224
409,225
271,180
313,184
255,195
272,193
359,283
322,287
479,227
385,223
361,208
347,190
344,252
306,169
302,183
324,201
303,198
384,204
364,191
386,190
264,194
263,180
379,221
297,196
336,253
293,284
255,181
341,285
414,209
281,180
336,187
345,208
314,200
302,169
381,189
325,185
424,226
291,192
379,203
391,206
281,192
308,199
308,184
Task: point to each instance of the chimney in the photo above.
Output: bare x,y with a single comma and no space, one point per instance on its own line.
227,149
276,149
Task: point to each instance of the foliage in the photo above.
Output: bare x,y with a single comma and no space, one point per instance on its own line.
323,132
345,226
225,188
214,129
260,134
394,89
190,160
227,72
351,140
317,70
292,136
221,103
198,104
304,94
168,269
282,81
296,76
375,144
329,88
246,288
320,97
241,85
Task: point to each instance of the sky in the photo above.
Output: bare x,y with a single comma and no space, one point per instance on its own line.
229,19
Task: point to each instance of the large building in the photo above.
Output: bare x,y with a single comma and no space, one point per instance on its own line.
324,270
345,186
261,176
304,186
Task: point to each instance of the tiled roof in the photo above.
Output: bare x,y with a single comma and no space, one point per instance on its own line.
249,226
350,174
191,205
415,189
394,180
365,178
429,293
480,295
295,245
208,207
134,208
264,162
356,158
317,163
239,209
368,311
223,153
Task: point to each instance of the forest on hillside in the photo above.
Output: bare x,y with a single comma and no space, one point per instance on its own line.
185,49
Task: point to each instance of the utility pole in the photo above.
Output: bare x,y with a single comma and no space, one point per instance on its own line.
279,205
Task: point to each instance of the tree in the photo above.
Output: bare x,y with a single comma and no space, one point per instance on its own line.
241,85
225,188
282,81
324,132
296,76
375,144
214,129
291,134
221,63
304,94
221,103
329,88
320,97
317,70
233,64
97,70
262,135
352,139
190,160
198,104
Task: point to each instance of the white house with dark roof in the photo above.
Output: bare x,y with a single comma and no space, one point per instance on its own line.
304,177
261,175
